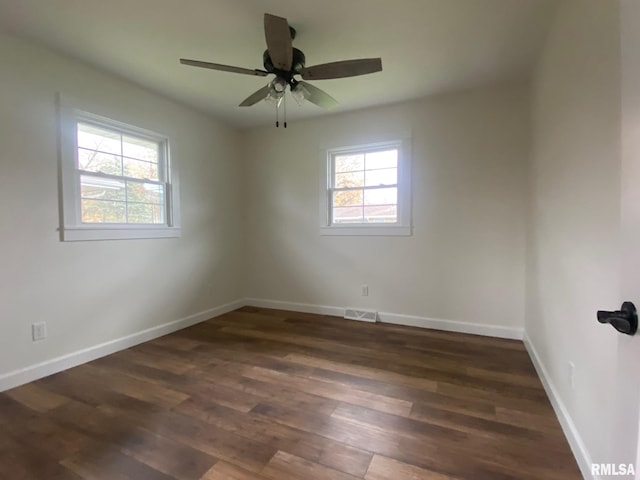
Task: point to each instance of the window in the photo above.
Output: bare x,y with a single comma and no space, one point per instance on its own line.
116,180
367,190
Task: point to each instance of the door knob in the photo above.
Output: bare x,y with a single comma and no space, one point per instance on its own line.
624,320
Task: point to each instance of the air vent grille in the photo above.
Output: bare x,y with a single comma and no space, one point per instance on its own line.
360,314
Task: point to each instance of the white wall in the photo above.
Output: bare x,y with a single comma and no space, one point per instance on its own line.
465,260
94,292
574,257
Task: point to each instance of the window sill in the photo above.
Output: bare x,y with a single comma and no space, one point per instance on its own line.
117,232
367,230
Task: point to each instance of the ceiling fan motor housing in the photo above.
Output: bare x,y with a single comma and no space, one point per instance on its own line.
297,64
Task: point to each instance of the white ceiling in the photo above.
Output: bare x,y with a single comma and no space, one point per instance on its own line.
427,46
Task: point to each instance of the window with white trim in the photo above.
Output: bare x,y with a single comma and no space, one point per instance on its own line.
367,190
117,181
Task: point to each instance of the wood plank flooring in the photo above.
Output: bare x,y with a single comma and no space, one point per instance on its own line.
261,394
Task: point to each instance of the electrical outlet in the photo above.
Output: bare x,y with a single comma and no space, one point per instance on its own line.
364,290
39,331
572,370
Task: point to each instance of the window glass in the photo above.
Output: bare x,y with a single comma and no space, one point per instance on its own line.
357,178
125,187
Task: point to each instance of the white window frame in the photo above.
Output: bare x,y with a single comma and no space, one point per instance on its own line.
403,225
71,226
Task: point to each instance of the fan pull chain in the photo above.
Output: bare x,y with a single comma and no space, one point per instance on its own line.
277,116
284,99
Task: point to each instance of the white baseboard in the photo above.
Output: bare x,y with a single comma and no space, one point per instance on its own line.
395,318
452,325
58,364
295,307
578,447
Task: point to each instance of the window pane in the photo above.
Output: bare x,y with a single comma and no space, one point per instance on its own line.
144,213
386,176
347,215
103,211
350,197
96,188
145,193
139,169
350,179
385,159
93,161
381,196
96,138
158,214
349,163
140,149
381,214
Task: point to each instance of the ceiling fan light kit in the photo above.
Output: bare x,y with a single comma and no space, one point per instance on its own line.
285,62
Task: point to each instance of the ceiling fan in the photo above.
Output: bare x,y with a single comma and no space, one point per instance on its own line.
286,62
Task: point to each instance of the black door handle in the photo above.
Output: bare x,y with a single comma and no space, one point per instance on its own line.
624,320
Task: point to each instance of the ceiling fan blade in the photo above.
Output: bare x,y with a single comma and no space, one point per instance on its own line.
278,36
319,97
224,68
345,68
256,97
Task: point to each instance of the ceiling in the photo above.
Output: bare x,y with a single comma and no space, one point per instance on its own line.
427,46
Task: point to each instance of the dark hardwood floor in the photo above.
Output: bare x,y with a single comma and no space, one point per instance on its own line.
267,394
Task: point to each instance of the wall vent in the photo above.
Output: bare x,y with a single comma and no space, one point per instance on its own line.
360,314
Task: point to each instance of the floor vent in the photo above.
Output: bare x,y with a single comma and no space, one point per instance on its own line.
359,314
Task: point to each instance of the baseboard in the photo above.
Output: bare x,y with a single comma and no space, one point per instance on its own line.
295,307
58,364
395,318
578,447
452,325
